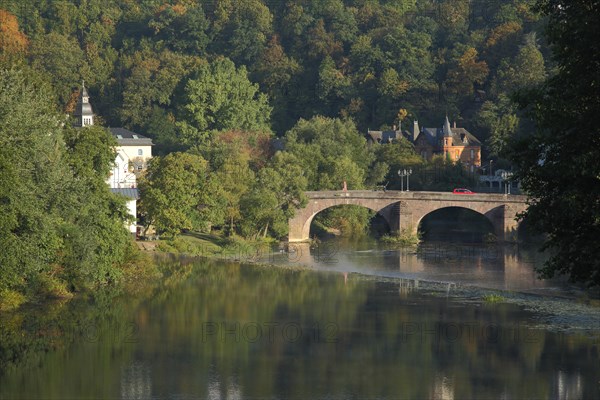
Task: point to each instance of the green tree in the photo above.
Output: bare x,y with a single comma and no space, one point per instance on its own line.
466,72
499,118
220,97
558,162
278,192
276,73
242,28
151,82
525,70
95,240
31,178
235,178
170,192
330,152
394,156
60,226
183,27
61,58
333,87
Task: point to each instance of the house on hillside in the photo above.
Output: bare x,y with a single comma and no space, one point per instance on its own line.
133,152
457,143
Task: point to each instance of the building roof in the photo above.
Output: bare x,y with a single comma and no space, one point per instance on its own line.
433,136
128,138
130,193
462,137
81,108
383,136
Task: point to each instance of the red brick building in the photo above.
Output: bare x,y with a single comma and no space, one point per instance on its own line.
456,143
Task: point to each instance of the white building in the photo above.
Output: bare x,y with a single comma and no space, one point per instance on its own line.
133,153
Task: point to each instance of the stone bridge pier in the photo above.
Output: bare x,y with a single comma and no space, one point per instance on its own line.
404,210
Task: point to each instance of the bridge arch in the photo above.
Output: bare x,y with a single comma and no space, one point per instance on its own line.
384,208
413,214
487,218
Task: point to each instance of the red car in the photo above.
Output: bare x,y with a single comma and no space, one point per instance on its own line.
462,191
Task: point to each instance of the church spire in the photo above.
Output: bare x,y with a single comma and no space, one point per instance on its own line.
84,116
446,129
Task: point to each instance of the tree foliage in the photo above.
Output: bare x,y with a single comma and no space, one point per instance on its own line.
220,97
330,152
557,163
277,193
13,42
61,228
170,192
361,60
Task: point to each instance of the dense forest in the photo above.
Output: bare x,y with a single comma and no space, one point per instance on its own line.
214,82
153,65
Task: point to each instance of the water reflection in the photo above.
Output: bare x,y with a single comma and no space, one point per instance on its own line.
136,382
218,390
220,330
567,386
510,267
442,388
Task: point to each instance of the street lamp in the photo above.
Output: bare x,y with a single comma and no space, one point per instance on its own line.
505,179
401,180
404,173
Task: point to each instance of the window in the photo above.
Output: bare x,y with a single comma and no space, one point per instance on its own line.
140,152
140,167
457,154
472,154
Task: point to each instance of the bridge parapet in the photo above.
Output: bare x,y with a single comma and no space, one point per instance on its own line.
417,195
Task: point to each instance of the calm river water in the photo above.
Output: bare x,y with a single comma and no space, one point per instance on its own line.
222,330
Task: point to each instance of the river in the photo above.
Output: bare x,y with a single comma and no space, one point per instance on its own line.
343,320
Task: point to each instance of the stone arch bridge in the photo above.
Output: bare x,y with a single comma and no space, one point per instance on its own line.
405,210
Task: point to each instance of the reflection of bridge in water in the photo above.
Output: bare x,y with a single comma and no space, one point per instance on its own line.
494,266
403,211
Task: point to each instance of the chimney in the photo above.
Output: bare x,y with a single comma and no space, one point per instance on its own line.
393,127
454,124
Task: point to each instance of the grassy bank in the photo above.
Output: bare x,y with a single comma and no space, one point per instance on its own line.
214,246
402,238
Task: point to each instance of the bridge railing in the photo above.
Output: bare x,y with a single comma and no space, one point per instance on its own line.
424,195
